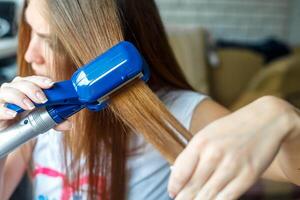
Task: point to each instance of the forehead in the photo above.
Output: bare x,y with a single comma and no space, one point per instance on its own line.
34,17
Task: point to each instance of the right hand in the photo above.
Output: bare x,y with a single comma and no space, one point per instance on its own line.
24,92
228,156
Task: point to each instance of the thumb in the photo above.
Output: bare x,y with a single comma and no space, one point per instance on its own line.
182,170
65,126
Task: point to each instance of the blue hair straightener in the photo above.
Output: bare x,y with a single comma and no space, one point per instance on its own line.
90,87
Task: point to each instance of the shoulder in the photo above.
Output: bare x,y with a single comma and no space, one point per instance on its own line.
181,103
193,109
205,113
175,97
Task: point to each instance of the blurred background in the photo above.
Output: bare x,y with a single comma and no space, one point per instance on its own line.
233,50
9,12
237,50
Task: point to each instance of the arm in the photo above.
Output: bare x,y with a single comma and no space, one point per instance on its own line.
286,165
12,169
226,157
205,113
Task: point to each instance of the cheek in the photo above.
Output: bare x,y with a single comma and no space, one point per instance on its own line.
58,67
48,54
49,59
40,70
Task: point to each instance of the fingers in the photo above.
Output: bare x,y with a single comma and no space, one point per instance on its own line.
32,86
207,167
41,81
209,160
221,177
243,155
6,114
65,126
15,96
228,182
182,170
31,90
237,186
24,91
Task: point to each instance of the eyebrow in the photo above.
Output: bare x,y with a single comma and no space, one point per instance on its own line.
44,36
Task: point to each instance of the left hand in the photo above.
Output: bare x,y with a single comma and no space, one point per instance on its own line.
64,126
228,156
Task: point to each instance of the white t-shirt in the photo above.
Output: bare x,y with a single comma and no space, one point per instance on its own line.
147,171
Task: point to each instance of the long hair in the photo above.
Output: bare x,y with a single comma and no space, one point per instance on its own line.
83,30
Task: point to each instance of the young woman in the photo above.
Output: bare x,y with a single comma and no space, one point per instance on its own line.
97,157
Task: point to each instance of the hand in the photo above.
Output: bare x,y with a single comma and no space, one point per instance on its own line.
227,157
23,92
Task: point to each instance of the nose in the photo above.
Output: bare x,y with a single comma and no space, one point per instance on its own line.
34,52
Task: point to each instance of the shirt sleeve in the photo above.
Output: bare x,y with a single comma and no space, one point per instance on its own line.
182,103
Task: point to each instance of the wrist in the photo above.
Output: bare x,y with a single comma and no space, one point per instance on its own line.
282,116
292,122
288,156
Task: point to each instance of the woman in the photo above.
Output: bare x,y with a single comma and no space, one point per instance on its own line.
90,160
98,158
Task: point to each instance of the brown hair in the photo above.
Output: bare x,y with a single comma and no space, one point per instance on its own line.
84,29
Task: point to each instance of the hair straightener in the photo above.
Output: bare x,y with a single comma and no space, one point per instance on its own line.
91,87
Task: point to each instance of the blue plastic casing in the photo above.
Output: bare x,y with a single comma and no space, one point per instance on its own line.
95,80
116,66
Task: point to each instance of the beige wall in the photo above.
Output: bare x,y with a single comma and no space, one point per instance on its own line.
234,19
294,34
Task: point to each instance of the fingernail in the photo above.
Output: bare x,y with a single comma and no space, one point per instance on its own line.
219,198
41,97
11,113
49,82
171,195
29,104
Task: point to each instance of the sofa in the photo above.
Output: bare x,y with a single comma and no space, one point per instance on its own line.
233,76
